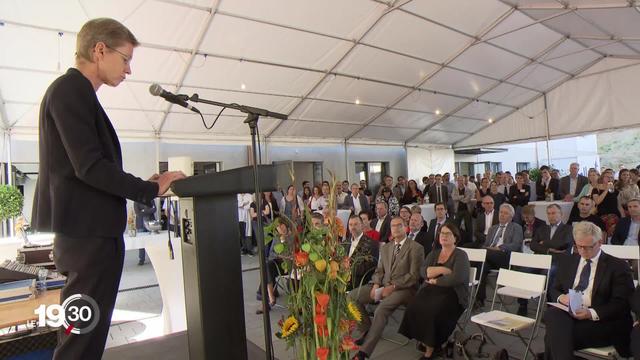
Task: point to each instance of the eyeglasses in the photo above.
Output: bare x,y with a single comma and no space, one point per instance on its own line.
448,233
587,248
123,55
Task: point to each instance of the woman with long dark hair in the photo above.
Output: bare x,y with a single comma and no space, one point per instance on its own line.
412,195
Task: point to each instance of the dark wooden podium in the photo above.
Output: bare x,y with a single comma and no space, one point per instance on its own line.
208,215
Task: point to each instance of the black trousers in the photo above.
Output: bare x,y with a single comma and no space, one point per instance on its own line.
93,266
635,342
496,259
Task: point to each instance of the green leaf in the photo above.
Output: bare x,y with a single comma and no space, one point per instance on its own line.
11,202
314,256
306,247
278,248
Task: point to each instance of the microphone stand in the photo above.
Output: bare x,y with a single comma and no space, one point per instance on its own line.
253,114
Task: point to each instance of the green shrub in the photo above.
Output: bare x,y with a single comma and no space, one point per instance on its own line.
11,202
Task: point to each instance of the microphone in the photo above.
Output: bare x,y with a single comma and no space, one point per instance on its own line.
157,90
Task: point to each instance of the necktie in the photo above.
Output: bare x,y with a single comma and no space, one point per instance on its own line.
439,195
583,283
496,238
411,236
396,251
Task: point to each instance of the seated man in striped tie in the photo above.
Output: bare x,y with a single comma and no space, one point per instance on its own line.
394,283
502,238
606,284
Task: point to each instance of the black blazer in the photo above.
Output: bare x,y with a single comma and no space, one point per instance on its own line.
479,235
385,230
422,239
562,239
433,194
622,231
517,197
348,203
554,185
612,288
81,188
363,261
565,186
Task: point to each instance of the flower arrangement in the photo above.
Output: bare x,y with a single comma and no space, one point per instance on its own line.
11,202
321,318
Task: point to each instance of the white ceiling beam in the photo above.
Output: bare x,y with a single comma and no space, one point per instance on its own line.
600,28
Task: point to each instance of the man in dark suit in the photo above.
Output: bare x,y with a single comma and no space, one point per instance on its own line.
484,222
502,239
438,192
394,283
606,285
433,232
628,229
418,233
355,201
382,223
362,252
82,190
555,238
635,333
546,184
572,184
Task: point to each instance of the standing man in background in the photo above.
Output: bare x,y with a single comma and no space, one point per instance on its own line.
81,169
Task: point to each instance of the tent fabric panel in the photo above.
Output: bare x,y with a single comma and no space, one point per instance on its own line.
405,119
526,123
376,64
538,77
133,96
617,22
328,111
458,82
488,60
231,74
460,125
509,94
36,49
438,137
281,104
528,41
348,89
128,120
347,18
292,128
409,34
24,86
252,40
448,12
385,133
567,24
569,56
429,102
39,12
483,111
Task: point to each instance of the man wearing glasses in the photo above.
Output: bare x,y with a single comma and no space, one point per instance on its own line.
82,189
605,284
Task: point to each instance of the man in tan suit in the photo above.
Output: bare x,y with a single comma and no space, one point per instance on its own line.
394,283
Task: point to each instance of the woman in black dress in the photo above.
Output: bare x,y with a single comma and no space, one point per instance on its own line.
432,315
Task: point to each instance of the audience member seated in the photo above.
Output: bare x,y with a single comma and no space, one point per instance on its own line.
405,214
362,252
394,283
383,221
606,285
572,184
628,227
627,190
341,196
438,192
412,195
532,185
433,232
546,185
502,239
356,202
401,188
498,197
365,216
519,196
387,182
555,238
463,204
586,212
274,262
484,221
502,181
433,314
393,206
606,198
317,220
484,189
418,232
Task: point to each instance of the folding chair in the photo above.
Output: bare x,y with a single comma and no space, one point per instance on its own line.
625,252
508,323
532,261
475,256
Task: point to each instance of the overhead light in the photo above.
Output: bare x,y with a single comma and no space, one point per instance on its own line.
438,112
357,101
243,86
490,120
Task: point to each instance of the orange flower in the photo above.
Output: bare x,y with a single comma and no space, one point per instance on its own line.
334,267
323,331
348,344
302,258
321,320
322,353
323,301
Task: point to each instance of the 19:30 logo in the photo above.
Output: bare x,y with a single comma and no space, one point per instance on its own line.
78,314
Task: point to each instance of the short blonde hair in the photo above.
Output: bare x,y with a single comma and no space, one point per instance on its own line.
587,228
109,31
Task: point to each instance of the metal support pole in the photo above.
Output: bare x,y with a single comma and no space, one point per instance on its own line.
346,162
546,117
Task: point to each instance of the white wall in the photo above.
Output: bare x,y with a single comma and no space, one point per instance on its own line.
422,162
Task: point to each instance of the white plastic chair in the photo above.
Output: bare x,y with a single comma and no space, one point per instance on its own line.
475,256
511,323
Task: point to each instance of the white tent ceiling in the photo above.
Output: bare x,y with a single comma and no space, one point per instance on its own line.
421,71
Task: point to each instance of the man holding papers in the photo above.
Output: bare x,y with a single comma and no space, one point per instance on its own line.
602,284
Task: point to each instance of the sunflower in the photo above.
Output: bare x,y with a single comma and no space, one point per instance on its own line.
289,326
354,311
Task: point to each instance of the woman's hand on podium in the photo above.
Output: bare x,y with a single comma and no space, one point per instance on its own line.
165,180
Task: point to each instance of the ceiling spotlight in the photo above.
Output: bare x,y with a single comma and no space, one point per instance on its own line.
438,112
357,101
490,120
243,86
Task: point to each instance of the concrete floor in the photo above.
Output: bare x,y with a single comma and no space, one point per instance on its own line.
139,304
